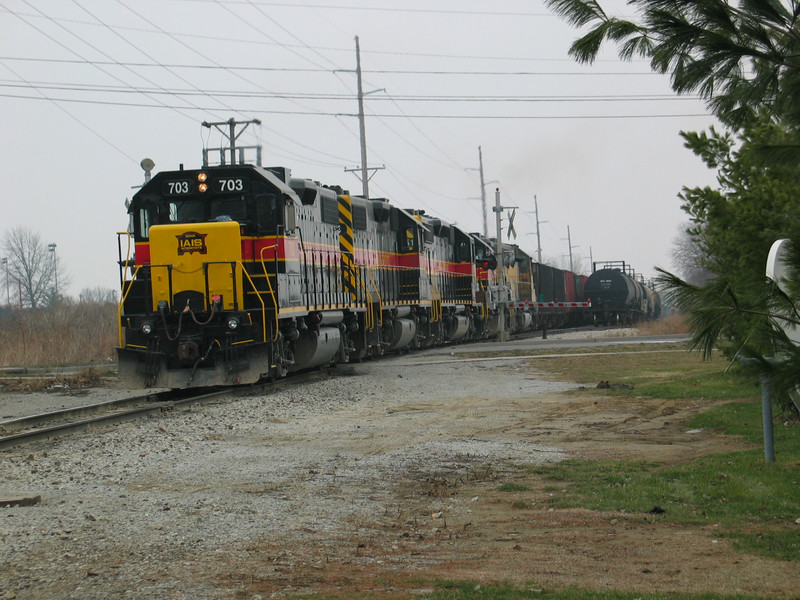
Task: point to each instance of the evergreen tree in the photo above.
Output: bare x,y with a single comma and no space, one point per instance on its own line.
743,59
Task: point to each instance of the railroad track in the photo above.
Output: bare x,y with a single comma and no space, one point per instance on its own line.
54,424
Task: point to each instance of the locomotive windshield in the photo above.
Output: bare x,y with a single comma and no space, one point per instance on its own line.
258,215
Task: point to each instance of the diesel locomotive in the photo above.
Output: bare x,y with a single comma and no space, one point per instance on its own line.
236,272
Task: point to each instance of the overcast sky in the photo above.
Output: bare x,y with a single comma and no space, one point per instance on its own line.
88,88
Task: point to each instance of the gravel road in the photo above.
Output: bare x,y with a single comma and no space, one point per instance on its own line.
162,507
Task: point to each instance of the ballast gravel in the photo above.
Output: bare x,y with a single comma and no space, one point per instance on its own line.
160,507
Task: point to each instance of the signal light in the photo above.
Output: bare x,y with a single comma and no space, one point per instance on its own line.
489,263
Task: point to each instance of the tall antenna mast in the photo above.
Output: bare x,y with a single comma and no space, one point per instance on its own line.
231,135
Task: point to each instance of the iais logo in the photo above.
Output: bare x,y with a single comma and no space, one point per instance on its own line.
191,242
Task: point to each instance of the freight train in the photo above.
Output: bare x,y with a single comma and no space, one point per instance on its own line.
235,273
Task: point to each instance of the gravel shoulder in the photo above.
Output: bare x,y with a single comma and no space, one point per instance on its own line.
384,475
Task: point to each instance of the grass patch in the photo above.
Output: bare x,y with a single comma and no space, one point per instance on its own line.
470,590
667,373
459,590
754,503
513,487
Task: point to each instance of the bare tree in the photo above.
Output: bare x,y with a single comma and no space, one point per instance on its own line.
32,268
98,295
689,258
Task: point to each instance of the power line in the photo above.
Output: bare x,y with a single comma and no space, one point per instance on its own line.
196,35
483,13
321,113
231,68
394,99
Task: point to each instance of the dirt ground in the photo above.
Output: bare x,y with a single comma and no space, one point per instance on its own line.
517,537
418,447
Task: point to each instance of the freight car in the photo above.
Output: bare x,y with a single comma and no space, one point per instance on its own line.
618,296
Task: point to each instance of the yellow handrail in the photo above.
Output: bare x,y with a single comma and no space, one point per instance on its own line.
485,303
271,291
263,306
125,292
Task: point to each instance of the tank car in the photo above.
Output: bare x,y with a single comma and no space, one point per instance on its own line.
618,297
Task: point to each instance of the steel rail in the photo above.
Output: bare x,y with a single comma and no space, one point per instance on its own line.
50,425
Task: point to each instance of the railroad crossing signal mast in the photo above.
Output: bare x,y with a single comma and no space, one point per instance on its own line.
502,295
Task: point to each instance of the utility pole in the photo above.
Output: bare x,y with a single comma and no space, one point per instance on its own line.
538,232
5,268
569,243
52,248
483,194
484,183
538,235
362,129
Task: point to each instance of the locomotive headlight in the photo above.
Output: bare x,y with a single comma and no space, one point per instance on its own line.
202,177
233,323
203,187
146,328
201,180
